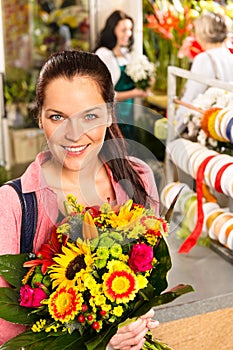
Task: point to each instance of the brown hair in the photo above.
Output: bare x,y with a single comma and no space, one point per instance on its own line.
107,37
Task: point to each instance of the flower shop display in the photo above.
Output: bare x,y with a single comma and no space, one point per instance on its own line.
189,156
59,25
212,127
217,221
211,170
141,71
102,267
169,36
171,24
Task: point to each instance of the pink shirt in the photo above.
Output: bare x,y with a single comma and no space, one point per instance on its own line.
10,215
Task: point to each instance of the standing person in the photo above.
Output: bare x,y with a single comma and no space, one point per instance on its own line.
215,62
86,157
114,47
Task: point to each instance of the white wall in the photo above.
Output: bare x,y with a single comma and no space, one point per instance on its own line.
2,70
2,59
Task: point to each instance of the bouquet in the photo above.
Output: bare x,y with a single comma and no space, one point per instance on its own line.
141,71
102,267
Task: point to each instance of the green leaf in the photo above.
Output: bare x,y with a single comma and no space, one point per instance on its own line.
30,341
45,341
11,268
158,277
102,339
164,298
170,210
72,341
11,311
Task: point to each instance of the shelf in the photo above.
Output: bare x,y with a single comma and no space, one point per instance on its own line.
174,173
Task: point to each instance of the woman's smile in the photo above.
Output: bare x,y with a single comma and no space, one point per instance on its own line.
75,150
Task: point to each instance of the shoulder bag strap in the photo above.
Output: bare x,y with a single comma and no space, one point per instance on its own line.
213,65
29,216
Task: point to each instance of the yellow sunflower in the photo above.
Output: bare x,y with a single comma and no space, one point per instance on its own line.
71,265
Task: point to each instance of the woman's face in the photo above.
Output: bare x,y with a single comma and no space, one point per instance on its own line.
74,118
123,32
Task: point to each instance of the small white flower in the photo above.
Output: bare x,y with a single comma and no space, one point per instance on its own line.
212,142
201,138
140,70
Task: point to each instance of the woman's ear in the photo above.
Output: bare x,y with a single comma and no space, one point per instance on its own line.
109,121
40,123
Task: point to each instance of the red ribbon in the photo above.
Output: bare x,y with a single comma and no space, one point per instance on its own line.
191,240
217,183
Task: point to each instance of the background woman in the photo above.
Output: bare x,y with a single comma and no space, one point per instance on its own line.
86,157
114,47
215,62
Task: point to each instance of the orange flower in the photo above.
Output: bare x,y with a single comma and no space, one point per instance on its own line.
65,303
120,286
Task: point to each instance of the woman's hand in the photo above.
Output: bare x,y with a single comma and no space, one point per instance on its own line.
141,93
132,336
151,324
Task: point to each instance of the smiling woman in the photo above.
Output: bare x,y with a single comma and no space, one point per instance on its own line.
86,157
114,47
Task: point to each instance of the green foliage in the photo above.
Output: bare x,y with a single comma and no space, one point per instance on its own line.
10,309
5,175
19,85
11,268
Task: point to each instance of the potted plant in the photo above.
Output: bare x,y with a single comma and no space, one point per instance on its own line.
19,92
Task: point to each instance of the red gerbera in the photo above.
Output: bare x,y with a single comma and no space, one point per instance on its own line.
48,251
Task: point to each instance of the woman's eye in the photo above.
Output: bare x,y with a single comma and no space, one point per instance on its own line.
56,117
90,116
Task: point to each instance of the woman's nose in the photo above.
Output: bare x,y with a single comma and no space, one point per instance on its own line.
74,128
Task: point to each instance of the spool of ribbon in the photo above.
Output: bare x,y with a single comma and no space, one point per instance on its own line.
191,240
228,130
217,184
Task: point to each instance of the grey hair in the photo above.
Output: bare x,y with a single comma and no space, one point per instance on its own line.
211,28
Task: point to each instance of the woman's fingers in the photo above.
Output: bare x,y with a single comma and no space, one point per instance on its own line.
149,314
130,336
151,324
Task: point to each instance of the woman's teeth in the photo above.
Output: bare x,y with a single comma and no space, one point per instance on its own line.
75,149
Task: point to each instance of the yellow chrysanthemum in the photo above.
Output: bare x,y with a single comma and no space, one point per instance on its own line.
96,289
65,303
120,286
115,265
124,257
89,281
71,265
118,311
100,300
151,223
106,307
142,282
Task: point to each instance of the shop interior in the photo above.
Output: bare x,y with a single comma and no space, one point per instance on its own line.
29,32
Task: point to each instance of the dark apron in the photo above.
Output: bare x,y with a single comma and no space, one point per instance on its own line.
124,109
